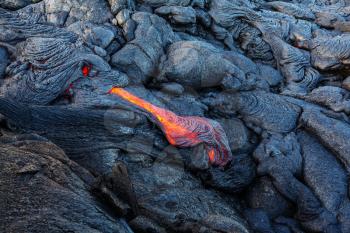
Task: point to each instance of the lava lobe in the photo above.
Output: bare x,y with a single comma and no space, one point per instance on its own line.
185,131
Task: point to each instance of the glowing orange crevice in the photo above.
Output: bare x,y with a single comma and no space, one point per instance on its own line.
185,131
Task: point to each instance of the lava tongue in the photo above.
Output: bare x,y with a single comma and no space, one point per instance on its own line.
185,131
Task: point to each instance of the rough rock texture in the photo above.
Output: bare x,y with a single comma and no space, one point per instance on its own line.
43,191
16,4
274,74
198,65
150,36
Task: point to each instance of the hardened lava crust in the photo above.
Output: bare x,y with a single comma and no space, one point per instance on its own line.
174,116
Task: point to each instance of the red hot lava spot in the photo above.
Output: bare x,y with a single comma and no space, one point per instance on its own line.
86,70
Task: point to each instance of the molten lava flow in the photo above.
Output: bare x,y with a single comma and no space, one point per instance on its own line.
185,131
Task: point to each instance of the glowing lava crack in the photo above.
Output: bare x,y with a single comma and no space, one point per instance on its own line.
185,131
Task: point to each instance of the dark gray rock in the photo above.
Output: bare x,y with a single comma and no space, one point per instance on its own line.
237,134
4,61
43,191
331,132
16,4
294,66
258,220
139,58
172,88
323,173
143,224
334,98
203,18
225,12
280,158
178,14
94,34
279,152
96,149
129,30
330,53
273,74
328,19
235,178
118,5
54,77
94,11
159,3
293,9
170,197
198,65
101,36
258,108
58,18
263,195
51,60
346,83
123,16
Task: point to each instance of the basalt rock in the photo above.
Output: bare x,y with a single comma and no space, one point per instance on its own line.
15,4
51,59
198,65
258,108
43,191
330,131
320,164
139,58
293,64
264,81
160,199
4,57
178,15
329,53
296,10
334,98
96,135
282,162
66,12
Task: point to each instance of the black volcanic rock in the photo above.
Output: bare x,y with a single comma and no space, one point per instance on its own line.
43,191
274,74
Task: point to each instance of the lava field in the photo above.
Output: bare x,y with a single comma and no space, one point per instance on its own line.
174,116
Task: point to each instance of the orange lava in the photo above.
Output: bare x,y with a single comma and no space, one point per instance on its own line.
185,131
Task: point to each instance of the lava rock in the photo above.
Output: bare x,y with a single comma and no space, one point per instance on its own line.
123,16
273,73
330,53
167,194
331,132
258,220
16,4
172,88
334,98
258,108
178,14
296,10
43,191
159,3
235,178
118,5
97,35
263,195
4,61
198,65
94,11
323,173
138,58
